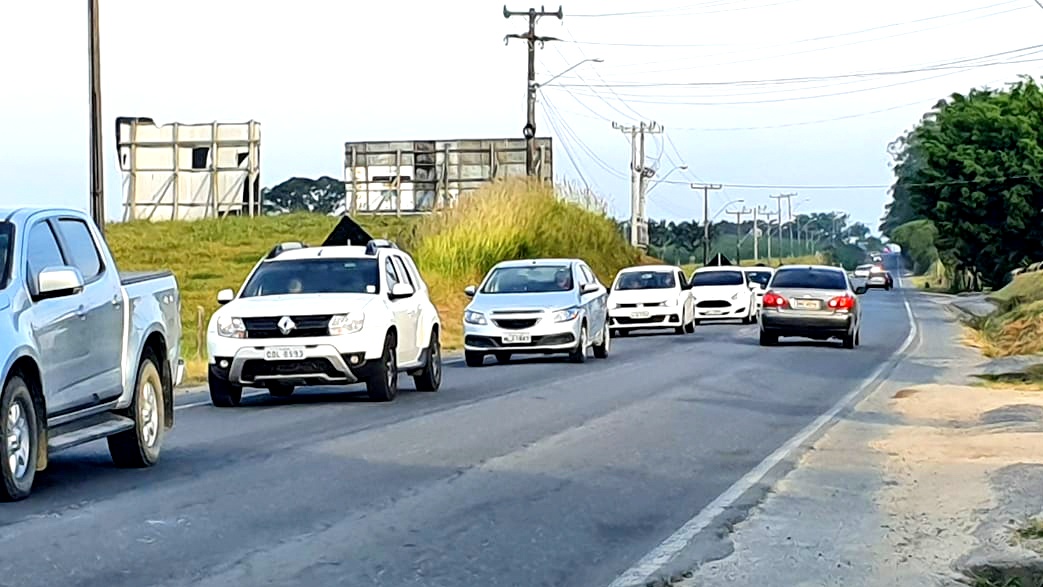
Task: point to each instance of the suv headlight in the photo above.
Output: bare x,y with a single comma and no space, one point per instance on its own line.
350,323
231,327
472,317
566,315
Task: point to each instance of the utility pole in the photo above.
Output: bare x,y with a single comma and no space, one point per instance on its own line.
738,232
529,131
97,153
706,187
778,199
769,215
639,172
789,214
756,235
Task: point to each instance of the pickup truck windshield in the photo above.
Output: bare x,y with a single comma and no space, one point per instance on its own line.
809,279
646,280
311,276
6,231
532,279
718,278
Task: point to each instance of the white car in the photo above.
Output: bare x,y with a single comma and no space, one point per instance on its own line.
651,296
723,293
325,315
863,271
760,276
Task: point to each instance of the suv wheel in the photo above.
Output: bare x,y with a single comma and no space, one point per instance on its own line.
382,385
430,378
223,393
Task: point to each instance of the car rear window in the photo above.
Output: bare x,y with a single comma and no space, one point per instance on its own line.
718,278
809,279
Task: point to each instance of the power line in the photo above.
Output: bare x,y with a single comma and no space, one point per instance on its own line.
747,186
682,11
568,152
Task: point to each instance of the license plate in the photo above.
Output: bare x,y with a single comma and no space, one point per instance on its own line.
806,304
283,353
715,312
517,338
639,314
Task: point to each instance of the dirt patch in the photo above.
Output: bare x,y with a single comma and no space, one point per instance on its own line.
940,463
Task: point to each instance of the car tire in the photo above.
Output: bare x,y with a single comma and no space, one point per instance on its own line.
690,327
223,393
430,378
601,349
849,341
140,446
18,416
579,354
382,385
767,339
858,337
474,358
281,391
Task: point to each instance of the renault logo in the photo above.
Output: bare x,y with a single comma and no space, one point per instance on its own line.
286,325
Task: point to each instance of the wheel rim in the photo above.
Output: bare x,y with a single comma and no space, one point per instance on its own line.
608,338
18,440
583,340
392,372
149,414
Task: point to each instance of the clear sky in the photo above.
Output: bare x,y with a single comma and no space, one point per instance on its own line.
317,73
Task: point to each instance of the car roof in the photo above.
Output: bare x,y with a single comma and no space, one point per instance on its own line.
638,268
17,213
814,268
331,252
532,262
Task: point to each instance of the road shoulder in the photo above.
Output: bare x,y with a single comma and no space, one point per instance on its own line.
917,484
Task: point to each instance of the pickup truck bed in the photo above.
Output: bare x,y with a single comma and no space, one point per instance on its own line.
132,277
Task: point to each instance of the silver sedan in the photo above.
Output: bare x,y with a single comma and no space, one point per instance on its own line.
816,301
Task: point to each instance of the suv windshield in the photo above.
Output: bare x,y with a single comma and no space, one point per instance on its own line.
310,276
531,279
761,277
810,279
646,280
718,278
6,231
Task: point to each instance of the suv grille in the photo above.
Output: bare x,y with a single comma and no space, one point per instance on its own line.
269,327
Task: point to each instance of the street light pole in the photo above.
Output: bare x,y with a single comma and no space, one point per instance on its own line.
97,179
706,187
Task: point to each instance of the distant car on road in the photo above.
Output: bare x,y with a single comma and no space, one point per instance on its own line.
537,306
723,293
816,301
761,276
333,315
879,278
862,271
651,296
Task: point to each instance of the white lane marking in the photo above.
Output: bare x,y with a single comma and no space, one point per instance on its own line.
257,393
642,572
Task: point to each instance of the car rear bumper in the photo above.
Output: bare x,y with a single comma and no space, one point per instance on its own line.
799,324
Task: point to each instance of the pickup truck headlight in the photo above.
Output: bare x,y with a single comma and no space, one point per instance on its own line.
231,327
472,317
566,315
346,323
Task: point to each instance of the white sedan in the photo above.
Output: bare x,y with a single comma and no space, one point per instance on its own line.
651,296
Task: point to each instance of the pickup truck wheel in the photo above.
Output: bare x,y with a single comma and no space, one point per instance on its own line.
430,378
18,432
382,386
223,394
139,447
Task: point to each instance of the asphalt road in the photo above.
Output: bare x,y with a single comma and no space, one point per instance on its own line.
534,473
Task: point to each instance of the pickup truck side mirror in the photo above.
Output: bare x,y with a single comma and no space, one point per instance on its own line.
401,290
56,282
225,295
470,290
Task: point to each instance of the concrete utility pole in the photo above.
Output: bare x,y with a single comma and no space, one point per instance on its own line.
639,173
529,131
778,199
756,235
97,145
738,232
769,215
706,187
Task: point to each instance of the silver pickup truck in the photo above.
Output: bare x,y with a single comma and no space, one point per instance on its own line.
85,351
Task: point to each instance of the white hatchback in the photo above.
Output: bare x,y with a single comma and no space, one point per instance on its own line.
651,296
723,293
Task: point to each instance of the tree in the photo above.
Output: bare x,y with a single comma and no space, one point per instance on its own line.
973,167
303,194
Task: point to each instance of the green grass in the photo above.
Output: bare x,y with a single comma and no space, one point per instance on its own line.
507,220
1024,288
1017,327
1030,379
1033,530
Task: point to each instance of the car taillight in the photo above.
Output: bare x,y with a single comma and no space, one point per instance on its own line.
842,303
774,300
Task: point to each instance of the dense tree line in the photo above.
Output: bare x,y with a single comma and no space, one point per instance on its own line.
968,189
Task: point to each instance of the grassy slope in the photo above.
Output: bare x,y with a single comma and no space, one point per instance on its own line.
505,221
1017,328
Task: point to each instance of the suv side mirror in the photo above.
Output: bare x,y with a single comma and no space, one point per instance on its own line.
224,296
470,291
401,290
56,282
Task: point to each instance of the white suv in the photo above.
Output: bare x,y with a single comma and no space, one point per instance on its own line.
325,315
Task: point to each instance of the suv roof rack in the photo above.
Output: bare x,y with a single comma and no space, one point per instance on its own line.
379,243
283,247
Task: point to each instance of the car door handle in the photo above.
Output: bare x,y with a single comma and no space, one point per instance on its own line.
81,312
